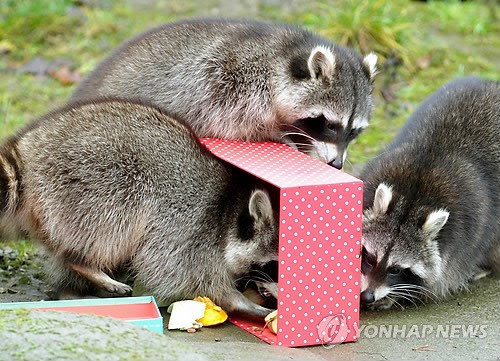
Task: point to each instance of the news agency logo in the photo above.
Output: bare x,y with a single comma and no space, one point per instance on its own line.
423,331
333,330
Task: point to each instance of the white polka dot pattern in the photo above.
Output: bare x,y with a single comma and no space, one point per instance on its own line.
277,163
320,242
319,266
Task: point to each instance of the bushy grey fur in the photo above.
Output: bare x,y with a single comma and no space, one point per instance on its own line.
432,198
246,80
114,188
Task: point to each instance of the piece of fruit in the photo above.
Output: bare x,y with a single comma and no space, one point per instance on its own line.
214,315
272,321
183,314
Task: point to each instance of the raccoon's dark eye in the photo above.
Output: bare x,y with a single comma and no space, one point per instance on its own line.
321,121
394,271
333,126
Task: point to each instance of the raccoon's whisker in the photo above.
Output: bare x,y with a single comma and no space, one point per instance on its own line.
301,131
426,293
245,278
417,289
303,144
416,292
252,278
302,134
404,296
349,166
262,279
408,292
402,292
298,132
393,300
264,276
376,156
246,283
242,278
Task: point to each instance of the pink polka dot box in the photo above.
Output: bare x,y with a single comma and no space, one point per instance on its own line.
320,242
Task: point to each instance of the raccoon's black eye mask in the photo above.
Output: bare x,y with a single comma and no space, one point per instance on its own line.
313,126
398,275
395,271
368,261
321,129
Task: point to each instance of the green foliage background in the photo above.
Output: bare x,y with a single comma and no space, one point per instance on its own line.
432,42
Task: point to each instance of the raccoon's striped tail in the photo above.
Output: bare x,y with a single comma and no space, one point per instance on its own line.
10,180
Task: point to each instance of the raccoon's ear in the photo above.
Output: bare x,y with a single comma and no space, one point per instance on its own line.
434,223
370,64
260,207
321,63
259,213
382,199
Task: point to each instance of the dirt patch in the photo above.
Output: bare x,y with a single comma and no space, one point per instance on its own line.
21,275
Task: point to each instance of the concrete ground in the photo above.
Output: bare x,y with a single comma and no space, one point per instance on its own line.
465,327
431,332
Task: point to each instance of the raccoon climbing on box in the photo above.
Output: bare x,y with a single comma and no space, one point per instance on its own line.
432,199
113,187
246,80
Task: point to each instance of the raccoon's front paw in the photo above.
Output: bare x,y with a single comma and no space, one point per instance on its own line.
118,288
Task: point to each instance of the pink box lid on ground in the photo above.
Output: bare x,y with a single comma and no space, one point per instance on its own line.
320,242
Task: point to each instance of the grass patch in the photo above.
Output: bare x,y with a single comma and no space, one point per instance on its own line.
16,254
30,26
382,26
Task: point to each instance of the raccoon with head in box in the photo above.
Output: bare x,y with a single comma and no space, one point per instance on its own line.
432,199
246,80
112,186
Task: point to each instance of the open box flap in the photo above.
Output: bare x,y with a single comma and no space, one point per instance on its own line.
276,163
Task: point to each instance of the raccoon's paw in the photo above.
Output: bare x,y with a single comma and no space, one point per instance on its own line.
237,303
480,275
117,288
102,280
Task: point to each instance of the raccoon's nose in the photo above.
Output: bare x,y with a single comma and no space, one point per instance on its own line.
367,296
337,163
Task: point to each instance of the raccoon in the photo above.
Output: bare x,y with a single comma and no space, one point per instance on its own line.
113,188
261,284
432,199
246,80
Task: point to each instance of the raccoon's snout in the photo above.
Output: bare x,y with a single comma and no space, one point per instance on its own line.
321,139
367,296
338,163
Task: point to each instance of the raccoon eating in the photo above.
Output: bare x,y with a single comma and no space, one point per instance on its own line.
246,80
